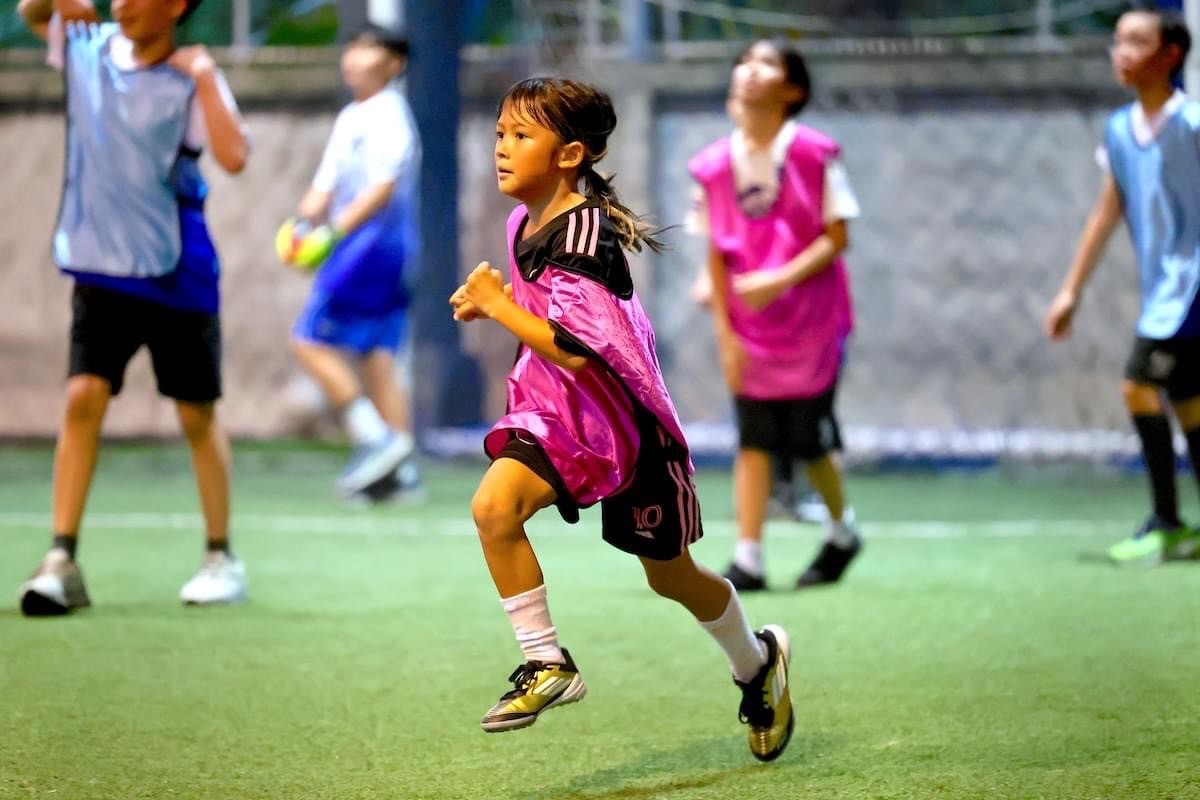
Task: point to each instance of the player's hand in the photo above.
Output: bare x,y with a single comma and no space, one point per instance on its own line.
194,61
76,11
484,287
465,310
732,354
760,288
1060,315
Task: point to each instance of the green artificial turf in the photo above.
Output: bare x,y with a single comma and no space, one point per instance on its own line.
980,648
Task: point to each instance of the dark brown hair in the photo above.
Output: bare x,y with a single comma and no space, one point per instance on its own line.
579,112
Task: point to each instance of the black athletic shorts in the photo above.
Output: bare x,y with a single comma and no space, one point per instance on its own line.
109,327
657,516
1171,364
803,428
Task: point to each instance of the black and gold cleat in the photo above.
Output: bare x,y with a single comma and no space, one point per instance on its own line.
536,687
766,701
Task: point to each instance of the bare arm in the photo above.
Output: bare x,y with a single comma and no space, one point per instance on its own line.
729,347
226,137
485,292
315,204
759,289
37,13
364,206
225,130
1103,220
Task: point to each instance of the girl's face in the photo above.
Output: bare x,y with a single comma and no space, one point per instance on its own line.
527,155
1138,57
760,79
367,67
145,20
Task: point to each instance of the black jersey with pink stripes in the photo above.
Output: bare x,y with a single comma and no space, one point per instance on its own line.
582,241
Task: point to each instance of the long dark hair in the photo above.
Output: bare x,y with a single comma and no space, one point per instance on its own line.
579,112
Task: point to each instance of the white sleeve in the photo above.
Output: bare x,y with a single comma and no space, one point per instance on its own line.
840,202
389,147
56,43
1101,156
197,129
695,221
325,178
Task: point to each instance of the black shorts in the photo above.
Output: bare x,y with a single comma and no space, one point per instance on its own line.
1170,364
804,428
109,327
657,516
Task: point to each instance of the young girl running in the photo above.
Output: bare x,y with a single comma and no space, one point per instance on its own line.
775,202
589,418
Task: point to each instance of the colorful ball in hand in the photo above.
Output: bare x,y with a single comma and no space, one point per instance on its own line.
299,244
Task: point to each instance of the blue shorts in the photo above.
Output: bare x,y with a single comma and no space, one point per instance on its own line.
321,323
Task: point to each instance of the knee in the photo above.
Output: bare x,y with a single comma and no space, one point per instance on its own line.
196,421
496,514
1141,399
87,397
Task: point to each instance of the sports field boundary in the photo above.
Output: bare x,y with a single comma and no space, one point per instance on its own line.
395,524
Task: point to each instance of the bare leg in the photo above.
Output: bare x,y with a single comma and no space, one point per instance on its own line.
715,605
751,489
697,588
77,450
509,494
211,462
379,374
825,477
329,369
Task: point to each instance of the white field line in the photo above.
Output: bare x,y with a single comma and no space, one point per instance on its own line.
352,524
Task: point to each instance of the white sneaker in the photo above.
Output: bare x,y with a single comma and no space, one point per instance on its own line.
220,579
372,462
55,588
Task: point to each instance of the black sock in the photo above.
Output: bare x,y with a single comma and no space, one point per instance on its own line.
65,542
1193,445
1158,451
221,546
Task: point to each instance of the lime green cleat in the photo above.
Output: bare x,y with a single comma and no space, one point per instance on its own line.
1183,544
1154,544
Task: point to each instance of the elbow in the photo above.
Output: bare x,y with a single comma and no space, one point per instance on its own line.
33,12
840,240
233,163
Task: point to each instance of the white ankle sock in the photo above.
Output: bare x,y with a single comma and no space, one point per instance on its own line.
748,556
840,533
362,421
530,618
745,651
